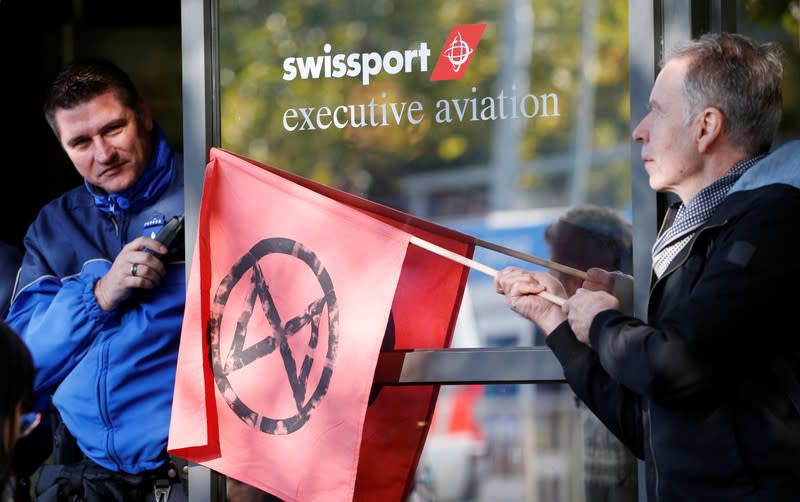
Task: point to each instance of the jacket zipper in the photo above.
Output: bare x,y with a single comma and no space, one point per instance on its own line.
102,378
102,389
114,223
669,270
652,449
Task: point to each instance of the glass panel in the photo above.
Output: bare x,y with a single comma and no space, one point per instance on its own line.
495,130
778,22
341,92
503,442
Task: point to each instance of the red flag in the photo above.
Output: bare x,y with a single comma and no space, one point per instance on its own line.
289,295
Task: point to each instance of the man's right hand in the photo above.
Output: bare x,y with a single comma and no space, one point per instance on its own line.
132,268
521,289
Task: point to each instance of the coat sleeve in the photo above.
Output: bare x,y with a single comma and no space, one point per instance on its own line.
57,318
731,305
615,405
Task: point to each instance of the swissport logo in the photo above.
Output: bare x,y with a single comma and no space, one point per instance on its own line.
457,51
451,65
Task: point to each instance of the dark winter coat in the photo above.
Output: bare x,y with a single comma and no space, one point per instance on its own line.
703,390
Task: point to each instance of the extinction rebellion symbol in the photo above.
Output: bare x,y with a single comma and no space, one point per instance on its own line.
239,356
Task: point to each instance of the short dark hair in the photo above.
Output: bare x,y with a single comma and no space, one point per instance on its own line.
84,80
591,236
742,79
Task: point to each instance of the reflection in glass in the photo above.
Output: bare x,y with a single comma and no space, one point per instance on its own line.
538,123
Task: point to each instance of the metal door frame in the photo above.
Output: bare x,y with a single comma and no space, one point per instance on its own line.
654,26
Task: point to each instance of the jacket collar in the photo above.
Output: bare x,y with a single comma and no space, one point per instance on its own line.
782,165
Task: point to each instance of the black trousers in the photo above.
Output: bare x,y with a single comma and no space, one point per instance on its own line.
85,481
74,478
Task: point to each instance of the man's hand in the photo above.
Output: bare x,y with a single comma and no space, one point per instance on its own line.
618,284
599,280
521,288
132,268
583,306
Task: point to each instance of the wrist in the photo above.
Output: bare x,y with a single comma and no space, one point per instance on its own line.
100,296
552,320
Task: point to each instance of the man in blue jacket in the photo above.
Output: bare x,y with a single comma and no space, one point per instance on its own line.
10,258
100,312
707,390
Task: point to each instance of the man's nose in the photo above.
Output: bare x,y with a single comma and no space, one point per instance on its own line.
103,151
640,131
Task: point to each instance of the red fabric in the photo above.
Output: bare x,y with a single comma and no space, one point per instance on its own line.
425,308
462,415
364,249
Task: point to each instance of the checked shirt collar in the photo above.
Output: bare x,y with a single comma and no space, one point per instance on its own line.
690,217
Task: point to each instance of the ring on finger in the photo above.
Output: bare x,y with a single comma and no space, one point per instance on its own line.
133,269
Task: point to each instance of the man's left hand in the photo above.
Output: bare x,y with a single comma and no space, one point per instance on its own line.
583,306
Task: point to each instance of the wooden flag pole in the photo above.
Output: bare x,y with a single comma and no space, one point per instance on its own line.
532,259
480,267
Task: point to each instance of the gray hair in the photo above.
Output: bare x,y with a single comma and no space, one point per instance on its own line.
742,79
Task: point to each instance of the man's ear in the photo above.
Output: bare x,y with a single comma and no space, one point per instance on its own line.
709,128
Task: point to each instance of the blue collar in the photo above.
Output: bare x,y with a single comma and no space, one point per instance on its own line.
782,165
150,185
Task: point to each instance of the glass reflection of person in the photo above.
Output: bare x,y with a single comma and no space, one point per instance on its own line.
585,237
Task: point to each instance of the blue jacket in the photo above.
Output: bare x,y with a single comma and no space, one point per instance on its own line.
10,259
708,391
111,374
